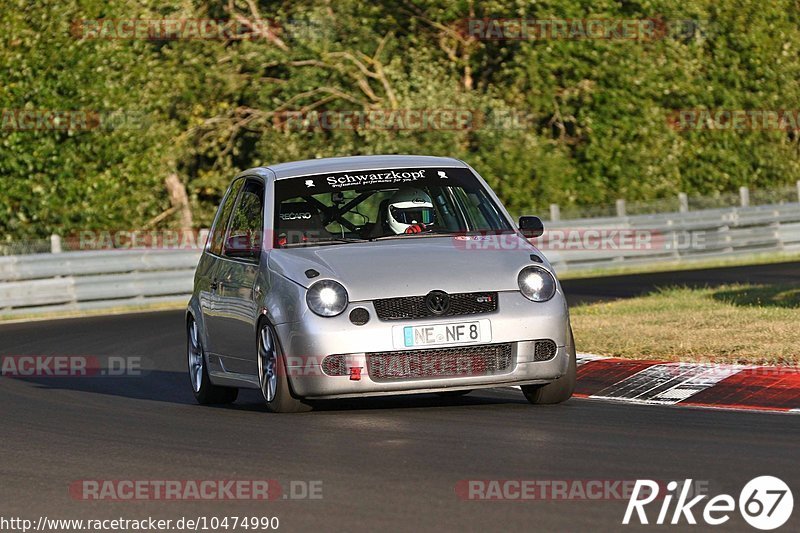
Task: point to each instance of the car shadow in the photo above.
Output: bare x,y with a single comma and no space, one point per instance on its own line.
173,387
422,400
158,385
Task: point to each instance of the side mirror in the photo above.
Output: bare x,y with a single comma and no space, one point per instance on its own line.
242,246
531,227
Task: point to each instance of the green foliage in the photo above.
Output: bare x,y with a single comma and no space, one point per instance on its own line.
592,115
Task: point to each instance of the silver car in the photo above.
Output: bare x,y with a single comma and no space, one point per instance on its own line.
367,276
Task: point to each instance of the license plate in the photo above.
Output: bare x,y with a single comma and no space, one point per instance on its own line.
477,331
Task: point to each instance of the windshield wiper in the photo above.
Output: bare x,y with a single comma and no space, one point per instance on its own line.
428,233
333,240
440,232
343,239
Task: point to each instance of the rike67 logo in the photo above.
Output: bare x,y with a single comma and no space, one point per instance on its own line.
765,503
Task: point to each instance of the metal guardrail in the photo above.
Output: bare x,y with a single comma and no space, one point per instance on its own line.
707,234
681,203
112,278
94,280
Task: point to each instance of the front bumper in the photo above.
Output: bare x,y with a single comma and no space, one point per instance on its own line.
518,322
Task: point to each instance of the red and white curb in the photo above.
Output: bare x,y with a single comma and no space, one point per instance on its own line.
722,386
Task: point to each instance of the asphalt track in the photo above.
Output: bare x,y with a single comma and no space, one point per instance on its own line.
629,286
390,464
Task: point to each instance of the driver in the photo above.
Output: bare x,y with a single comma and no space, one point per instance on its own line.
409,211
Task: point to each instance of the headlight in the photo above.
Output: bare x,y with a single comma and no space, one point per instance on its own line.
326,298
536,283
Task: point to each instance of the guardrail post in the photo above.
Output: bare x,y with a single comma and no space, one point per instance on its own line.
55,244
798,190
744,196
555,211
621,211
725,232
683,202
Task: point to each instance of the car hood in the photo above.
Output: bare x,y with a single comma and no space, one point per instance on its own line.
410,266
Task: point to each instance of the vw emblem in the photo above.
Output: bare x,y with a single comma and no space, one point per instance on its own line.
437,302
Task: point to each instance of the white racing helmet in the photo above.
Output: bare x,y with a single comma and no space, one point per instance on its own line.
408,207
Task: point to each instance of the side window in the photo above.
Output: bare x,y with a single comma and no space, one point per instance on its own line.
223,215
246,226
475,208
479,210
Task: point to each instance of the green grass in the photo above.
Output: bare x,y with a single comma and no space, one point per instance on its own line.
673,266
728,324
119,310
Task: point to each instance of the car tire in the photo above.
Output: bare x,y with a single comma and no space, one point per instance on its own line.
273,377
559,390
205,392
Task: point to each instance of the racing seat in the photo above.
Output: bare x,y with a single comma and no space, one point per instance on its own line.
380,227
299,222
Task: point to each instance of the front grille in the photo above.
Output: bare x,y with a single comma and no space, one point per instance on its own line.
544,350
463,361
465,303
334,365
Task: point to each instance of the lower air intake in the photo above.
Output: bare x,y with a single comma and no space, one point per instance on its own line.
334,365
544,350
440,362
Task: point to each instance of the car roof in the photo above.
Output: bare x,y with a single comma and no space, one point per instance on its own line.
353,163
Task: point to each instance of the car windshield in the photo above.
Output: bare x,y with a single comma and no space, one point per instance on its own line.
358,206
